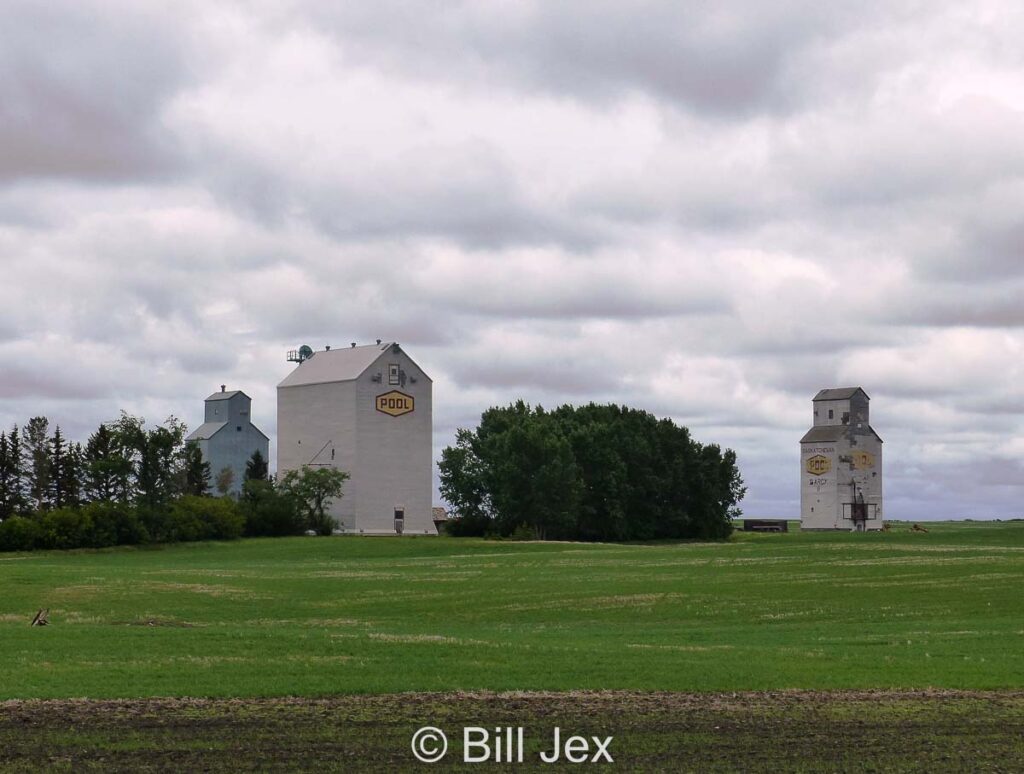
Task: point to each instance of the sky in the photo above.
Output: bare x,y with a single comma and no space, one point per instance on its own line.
706,210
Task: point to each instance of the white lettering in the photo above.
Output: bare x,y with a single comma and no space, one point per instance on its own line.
480,743
556,749
602,750
574,745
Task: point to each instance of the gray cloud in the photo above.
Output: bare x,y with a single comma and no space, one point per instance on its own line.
81,91
727,59
707,211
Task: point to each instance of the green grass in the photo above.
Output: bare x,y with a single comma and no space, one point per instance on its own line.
316,616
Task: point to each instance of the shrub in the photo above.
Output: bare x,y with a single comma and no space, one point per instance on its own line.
19,534
181,523
66,528
470,525
204,518
523,532
115,524
222,519
269,512
156,522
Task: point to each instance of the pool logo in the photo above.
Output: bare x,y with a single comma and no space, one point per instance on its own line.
395,403
818,465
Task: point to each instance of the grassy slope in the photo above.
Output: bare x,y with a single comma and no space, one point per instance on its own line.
311,616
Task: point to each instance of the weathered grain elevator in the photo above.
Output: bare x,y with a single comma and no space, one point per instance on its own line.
841,464
228,438
367,411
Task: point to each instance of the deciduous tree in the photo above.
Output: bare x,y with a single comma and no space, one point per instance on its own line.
314,489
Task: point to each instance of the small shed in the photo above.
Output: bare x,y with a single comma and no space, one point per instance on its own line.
765,525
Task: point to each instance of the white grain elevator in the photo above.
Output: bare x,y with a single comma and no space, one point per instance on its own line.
365,410
841,465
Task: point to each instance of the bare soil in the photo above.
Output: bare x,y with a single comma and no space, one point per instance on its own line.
871,731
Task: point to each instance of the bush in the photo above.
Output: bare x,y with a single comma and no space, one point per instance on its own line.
115,524
523,532
470,525
64,528
269,512
156,522
181,524
18,534
204,518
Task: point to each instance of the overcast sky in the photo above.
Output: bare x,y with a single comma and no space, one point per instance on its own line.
707,210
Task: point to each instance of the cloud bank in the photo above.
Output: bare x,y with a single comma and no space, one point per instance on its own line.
707,211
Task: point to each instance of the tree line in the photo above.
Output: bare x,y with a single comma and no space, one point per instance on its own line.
129,484
594,472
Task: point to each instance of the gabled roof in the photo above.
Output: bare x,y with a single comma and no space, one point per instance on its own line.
831,433
206,431
335,365
840,393
226,395
824,434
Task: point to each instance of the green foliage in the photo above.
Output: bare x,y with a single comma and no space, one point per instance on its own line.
155,456
269,512
314,489
197,471
67,528
129,485
473,524
12,482
523,532
605,473
107,468
115,524
225,480
18,533
193,518
256,468
36,440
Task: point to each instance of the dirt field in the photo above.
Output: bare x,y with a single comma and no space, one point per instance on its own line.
786,731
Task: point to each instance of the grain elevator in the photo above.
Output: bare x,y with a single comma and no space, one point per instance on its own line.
841,464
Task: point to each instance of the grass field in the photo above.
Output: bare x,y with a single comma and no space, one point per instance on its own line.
325,616
898,651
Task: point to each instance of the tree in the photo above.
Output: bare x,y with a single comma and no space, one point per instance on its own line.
269,511
106,467
16,466
588,473
57,475
464,488
225,479
196,471
11,483
534,480
256,468
37,447
72,475
155,456
314,489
